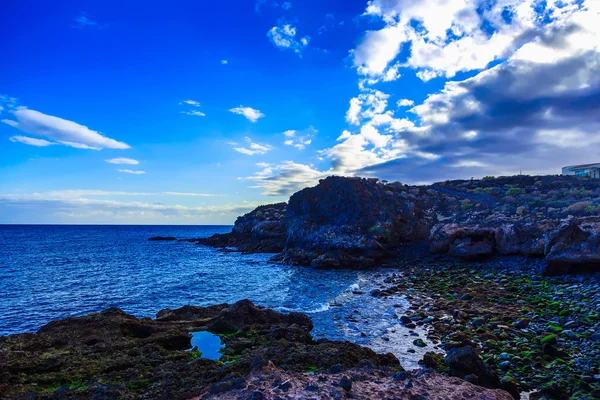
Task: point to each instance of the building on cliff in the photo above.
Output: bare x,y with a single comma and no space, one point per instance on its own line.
591,170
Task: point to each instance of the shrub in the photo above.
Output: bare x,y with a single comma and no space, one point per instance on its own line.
580,206
466,205
513,191
488,178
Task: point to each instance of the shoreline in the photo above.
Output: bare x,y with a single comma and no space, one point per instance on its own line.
455,306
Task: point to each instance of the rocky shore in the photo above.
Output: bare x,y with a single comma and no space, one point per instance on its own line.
264,354
499,276
357,222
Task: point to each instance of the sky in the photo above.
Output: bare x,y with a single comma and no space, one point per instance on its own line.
194,112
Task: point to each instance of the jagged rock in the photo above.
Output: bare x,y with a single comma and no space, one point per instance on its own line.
364,384
113,352
574,247
263,230
356,222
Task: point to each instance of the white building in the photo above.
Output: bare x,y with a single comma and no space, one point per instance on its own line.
591,170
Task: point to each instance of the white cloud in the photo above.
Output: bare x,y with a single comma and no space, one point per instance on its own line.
122,160
299,139
194,112
250,113
286,5
30,141
55,208
103,193
366,106
82,21
224,62
285,178
63,131
191,103
284,36
130,171
405,103
447,37
252,148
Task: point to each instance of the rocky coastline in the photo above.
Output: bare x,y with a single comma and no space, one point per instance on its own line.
264,354
499,274
357,222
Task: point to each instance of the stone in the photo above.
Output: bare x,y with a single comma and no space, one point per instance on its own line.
346,383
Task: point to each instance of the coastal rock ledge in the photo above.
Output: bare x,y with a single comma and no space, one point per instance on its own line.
357,222
265,355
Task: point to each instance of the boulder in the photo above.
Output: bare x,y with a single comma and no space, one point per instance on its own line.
465,362
574,247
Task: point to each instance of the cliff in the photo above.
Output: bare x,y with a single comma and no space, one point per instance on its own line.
357,222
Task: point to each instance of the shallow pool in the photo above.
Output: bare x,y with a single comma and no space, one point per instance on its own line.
208,344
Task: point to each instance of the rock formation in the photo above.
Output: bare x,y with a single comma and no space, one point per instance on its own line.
357,222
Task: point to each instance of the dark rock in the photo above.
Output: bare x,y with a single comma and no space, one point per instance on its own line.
521,324
574,247
163,238
346,383
466,361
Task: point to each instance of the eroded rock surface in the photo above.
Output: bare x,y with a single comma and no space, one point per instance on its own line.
365,383
357,222
118,356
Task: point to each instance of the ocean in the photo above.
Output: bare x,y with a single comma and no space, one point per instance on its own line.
50,272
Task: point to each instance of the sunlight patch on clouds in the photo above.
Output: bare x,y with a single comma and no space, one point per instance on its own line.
447,37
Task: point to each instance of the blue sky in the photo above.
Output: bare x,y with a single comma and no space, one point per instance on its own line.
195,112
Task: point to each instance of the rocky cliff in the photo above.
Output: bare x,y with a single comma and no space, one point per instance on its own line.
357,222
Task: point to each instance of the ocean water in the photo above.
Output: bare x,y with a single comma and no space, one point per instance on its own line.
53,272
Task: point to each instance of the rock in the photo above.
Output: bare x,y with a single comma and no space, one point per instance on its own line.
263,230
364,384
465,361
419,343
336,369
574,247
521,324
163,238
504,364
401,376
346,383
115,347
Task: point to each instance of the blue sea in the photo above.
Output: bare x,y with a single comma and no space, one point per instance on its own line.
53,272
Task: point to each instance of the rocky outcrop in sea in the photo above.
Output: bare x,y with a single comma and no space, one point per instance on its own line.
357,222
262,354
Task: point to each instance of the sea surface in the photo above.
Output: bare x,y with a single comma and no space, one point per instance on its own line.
50,272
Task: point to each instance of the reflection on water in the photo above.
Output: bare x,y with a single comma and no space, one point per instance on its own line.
208,344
